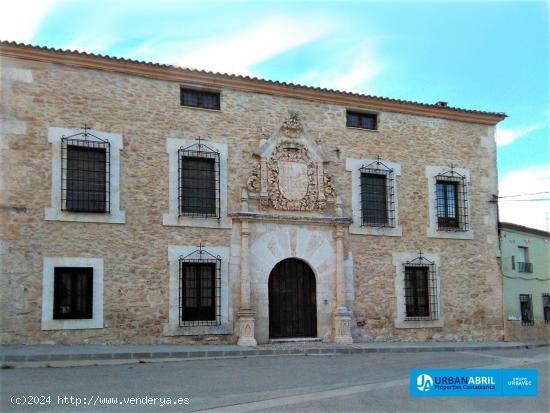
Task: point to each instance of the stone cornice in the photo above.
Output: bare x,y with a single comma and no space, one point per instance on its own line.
217,80
289,219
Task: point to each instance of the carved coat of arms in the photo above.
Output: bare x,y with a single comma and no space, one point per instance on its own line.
291,174
293,180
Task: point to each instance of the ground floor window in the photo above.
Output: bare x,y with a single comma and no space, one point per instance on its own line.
526,307
199,289
73,293
421,296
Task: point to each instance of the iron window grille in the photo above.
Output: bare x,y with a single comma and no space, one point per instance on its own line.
526,308
451,201
199,289
421,295
377,195
546,307
73,293
361,120
199,181
85,173
526,267
200,99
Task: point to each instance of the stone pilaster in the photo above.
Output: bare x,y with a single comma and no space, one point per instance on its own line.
342,316
246,314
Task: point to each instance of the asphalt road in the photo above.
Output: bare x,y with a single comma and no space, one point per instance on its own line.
346,383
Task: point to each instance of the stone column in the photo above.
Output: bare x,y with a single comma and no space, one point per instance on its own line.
246,314
342,316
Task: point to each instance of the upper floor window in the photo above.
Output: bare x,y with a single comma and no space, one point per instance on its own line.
200,99
361,120
377,195
85,173
73,292
523,260
451,201
526,308
199,181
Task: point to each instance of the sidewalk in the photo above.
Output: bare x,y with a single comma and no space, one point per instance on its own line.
43,353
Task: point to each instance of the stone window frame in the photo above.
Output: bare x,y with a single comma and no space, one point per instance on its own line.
48,276
433,230
173,218
54,212
354,165
399,259
173,327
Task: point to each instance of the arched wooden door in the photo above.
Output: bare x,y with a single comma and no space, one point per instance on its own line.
292,300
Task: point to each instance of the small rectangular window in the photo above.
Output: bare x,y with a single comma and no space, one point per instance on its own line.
200,99
198,293
546,307
526,308
417,297
361,120
513,262
447,204
374,199
73,293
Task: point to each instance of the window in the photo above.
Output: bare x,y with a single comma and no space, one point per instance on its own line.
451,201
377,195
200,99
73,293
200,289
546,307
523,260
526,308
513,262
199,179
416,292
447,204
85,176
361,120
420,289
86,182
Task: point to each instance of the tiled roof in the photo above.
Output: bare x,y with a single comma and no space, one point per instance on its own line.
439,106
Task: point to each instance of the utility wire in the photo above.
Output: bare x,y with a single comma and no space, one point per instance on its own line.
532,193
524,200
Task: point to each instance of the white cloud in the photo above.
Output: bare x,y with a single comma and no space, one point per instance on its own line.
20,19
523,181
350,70
236,52
507,136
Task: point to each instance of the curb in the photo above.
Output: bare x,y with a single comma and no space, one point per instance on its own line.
247,353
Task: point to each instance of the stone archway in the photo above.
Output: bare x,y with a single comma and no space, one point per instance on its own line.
292,300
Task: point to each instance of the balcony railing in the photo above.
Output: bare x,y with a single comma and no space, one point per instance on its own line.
525,267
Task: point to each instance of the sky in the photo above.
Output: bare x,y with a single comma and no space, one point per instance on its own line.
491,55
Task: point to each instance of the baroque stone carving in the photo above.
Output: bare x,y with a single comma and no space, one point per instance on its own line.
291,174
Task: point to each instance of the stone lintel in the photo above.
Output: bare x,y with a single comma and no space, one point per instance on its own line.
289,219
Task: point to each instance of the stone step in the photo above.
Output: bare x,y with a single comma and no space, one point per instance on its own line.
295,340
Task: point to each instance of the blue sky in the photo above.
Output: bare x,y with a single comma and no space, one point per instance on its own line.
478,55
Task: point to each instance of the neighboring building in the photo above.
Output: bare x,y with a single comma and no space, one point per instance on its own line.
196,206
525,259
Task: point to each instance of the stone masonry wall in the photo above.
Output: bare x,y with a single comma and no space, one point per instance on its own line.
37,95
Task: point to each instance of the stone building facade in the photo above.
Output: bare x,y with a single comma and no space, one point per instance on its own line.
285,210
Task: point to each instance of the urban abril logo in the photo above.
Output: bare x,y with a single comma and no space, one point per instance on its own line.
424,382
